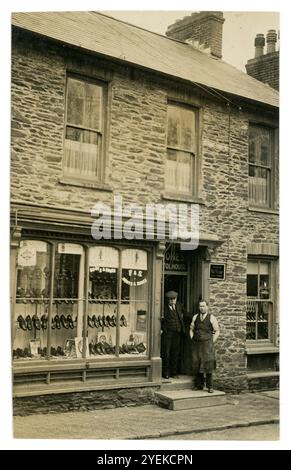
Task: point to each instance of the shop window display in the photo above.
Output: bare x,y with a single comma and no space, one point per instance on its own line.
111,317
134,302
117,300
102,310
68,301
33,291
32,300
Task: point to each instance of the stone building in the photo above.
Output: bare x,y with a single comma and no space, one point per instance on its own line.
104,109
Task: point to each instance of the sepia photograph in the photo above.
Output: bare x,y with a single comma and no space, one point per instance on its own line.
144,224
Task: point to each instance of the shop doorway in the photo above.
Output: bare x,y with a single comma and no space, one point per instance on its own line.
178,283
180,275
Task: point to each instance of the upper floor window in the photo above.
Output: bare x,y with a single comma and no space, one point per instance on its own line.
84,130
261,166
181,150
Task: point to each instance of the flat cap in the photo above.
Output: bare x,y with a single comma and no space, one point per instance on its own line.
171,294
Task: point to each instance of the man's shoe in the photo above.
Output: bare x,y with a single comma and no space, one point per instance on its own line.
166,376
210,390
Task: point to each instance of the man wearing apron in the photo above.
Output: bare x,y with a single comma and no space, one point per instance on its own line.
204,331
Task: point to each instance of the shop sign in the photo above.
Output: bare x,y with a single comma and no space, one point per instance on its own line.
175,262
134,277
102,269
217,271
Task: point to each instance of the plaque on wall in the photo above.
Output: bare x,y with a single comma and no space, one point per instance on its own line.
217,271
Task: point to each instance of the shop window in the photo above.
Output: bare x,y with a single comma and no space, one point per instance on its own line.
50,290
117,318
261,166
84,130
68,301
32,299
34,296
181,150
134,301
103,301
259,301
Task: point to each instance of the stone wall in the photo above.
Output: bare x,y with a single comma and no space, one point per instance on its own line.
136,130
266,382
83,401
136,163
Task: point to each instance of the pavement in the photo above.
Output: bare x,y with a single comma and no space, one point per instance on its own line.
150,421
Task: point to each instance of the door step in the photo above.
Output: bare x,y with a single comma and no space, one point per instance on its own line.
189,399
183,382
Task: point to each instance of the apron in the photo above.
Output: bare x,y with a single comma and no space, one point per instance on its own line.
203,355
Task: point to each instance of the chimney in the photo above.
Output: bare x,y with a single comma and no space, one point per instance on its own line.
259,45
265,67
271,41
204,27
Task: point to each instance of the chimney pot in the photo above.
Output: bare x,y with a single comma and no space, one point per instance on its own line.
271,41
259,45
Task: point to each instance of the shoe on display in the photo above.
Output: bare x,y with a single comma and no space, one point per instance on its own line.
58,322
64,322
22,322
36,322
43,322
28,322
60,351
70,322
123,321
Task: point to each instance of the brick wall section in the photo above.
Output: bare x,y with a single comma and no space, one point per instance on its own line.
204,27
137,152
83,401
265,68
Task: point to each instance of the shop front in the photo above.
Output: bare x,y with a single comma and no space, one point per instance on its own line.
86,314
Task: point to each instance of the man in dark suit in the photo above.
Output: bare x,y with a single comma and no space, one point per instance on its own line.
172,328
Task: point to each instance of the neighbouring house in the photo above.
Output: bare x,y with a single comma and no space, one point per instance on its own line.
265,67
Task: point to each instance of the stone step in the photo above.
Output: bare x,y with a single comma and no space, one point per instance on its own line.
182,383
189,399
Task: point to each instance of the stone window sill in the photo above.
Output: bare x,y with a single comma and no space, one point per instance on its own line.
260,349
85,184
258,375
263,210
183,198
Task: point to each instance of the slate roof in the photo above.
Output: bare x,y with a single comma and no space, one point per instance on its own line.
116,39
